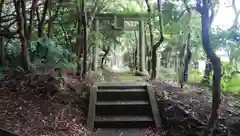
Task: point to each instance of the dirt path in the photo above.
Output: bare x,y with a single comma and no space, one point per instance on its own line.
109,75
120,76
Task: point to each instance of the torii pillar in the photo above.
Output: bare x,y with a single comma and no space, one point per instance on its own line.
141,46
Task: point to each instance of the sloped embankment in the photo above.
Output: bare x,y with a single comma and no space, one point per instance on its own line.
28,109
188,109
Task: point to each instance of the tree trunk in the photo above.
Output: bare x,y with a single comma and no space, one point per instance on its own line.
104,56
148,53
50,21
203,9
155,47
79,42
154,63
187,58
207,71
186,53
186,63
41,24
149,59
2,52
85,41
23,34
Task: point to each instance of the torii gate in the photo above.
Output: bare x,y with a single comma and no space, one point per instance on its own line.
119,20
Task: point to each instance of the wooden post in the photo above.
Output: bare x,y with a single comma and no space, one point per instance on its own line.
141,46
94,47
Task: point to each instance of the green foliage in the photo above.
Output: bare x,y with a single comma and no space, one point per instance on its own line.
232,86
50,52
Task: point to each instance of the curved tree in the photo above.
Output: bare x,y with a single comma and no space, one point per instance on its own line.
203,7
161,37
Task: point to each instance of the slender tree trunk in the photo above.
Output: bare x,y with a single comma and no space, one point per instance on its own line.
203,9
149,59
186,63
50,21
186,54
187,58
147,56
154,63
47,4
104,56
2,52
155,47
207,71
79,41
85,41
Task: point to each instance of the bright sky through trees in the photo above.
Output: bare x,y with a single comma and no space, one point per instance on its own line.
225,16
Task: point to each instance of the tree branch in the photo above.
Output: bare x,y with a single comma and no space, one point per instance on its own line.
237,13
212,14
95,9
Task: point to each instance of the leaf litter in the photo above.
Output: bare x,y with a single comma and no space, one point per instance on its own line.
26,107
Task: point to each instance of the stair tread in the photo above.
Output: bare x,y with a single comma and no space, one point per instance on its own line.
122,103
117,84
121,90
101,118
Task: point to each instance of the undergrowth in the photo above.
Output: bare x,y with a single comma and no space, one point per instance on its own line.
229,84
42,51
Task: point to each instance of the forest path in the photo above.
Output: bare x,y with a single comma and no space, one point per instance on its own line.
120,76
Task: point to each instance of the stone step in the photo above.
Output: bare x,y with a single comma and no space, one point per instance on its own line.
126,90
123,108
123,121
122,103
122,95
122,85
119,132
4,132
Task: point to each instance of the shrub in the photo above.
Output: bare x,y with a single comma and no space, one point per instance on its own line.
232,86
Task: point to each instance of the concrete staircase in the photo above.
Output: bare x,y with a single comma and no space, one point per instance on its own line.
122,105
